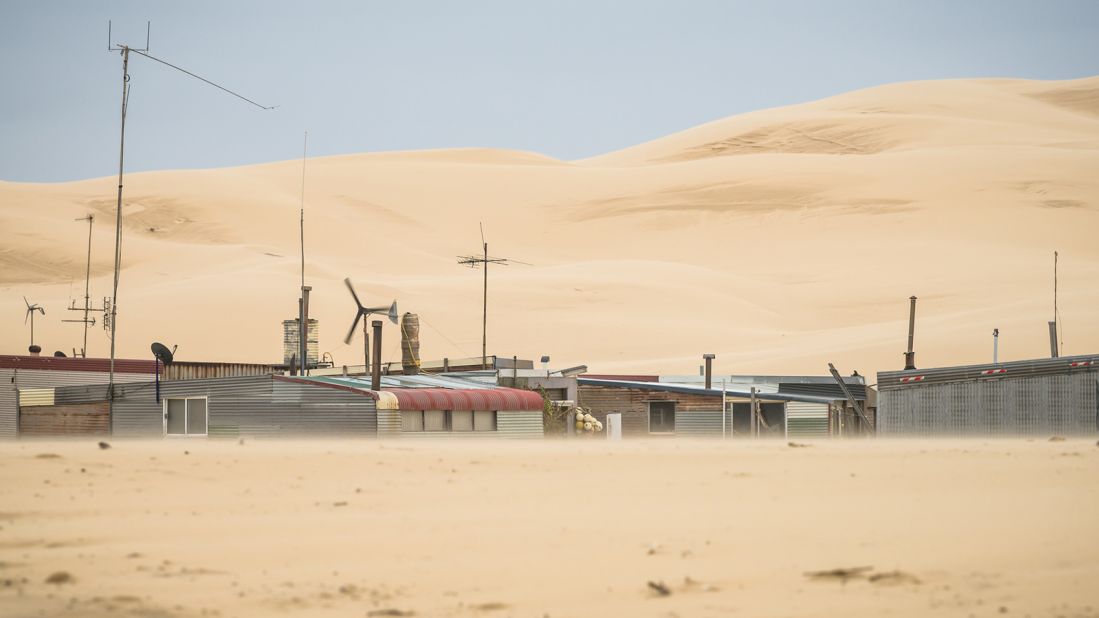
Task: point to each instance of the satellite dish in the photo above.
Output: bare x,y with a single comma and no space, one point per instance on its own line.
162,353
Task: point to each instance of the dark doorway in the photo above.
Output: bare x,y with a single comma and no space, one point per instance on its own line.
661,417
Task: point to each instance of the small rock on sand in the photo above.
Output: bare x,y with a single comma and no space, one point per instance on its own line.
660,588
60,577
390,612
104,445
1057,439
47,456
795,444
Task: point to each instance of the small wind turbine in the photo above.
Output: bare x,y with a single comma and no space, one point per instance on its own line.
363,313
30,315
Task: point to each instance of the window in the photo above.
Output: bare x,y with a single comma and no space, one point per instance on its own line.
661,417
484,420
412,421
185,417
459,421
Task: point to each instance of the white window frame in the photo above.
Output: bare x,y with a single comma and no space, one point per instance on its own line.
185,434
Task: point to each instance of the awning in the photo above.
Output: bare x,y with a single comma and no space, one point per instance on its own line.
465,399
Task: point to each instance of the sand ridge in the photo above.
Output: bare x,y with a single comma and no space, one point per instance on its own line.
780,240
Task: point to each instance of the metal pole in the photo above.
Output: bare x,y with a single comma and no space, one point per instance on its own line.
484,316
755,414
118,230
910,356
723,408
305,289
87,279
376,366
1053,353
366,345
995,346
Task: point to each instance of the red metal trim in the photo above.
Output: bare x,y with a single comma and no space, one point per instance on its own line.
99,365
912,379
1081,364
993,372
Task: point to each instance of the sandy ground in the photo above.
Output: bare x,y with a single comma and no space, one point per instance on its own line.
186,528
780,240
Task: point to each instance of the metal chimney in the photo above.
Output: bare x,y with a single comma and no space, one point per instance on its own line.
709,369
995,346
910,356
410,344
1053,340
376,362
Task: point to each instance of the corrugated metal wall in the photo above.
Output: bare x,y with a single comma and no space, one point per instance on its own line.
806,420
11,380
511,424
242,406
633,404
64,420
1067,403
701,423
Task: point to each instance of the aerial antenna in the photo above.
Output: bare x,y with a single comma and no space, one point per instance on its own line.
363,313
87,308
110,315
303,300
484,260
31,308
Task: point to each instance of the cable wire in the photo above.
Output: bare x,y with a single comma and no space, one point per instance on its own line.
199,77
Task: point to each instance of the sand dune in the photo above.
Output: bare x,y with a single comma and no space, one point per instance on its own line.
780,240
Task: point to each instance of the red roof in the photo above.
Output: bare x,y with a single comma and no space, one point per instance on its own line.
56,363
466,399
629,377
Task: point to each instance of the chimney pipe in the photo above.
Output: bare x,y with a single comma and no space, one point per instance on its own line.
910,356
376,364
34,350
709,369
995,346
1053,353
303,329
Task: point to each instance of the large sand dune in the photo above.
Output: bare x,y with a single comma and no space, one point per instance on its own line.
780,240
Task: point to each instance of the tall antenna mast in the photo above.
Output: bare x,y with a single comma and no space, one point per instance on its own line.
125,51
303,304
87,308
484,260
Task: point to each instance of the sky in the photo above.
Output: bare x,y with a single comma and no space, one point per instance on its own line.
569,79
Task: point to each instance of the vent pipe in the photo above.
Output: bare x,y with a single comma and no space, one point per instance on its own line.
410,344
709,358
376,364
910,356
303,329
1053,353
995,346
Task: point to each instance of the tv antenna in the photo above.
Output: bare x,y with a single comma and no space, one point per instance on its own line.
87,308
31,308
110,315
484,260
364,313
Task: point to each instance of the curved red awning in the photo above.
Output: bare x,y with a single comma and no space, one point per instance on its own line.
466,399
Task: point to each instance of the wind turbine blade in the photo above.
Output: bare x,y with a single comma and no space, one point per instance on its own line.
393,312
42,310
354,325
27,303
347,282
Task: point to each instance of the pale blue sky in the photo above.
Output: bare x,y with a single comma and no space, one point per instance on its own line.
566,78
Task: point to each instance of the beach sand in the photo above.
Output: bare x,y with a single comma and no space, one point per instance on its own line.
780,240
549,528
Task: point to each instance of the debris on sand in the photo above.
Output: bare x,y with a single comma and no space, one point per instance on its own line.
47,456
390,611
797,445
894,578
104,445
340,503
1057,439
840,574
660,588
60,577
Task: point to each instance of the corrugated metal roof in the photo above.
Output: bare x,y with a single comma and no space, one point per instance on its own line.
435,392
702,390
1013,369
55,363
